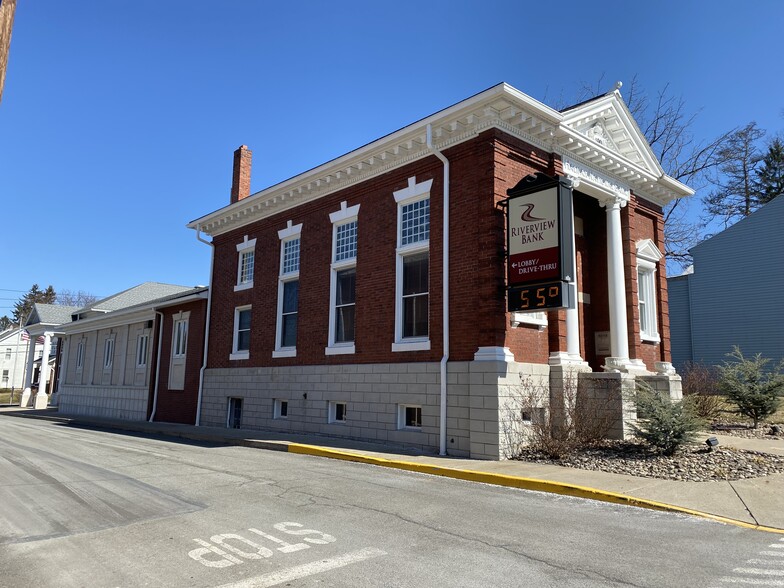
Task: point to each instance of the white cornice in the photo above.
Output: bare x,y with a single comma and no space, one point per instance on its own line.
502,107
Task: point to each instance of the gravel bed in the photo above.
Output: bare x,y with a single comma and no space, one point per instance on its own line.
764,431
688,464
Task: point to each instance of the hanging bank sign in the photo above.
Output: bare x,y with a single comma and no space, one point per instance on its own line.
540,244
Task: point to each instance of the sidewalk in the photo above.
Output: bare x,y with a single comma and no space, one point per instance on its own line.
756,503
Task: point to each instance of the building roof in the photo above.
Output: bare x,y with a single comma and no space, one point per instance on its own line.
87,320
50,314
141,294
601,145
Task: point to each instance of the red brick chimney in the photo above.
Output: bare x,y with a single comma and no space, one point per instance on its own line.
240,180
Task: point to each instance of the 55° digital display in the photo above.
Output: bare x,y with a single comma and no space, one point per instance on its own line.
539,297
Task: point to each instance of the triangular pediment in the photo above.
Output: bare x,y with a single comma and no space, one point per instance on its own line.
605,122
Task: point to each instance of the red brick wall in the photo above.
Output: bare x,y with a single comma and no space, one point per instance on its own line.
644,220
482,170
179,406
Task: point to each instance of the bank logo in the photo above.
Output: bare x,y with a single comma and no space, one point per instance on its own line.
527,216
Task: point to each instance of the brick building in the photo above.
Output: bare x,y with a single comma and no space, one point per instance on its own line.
366,298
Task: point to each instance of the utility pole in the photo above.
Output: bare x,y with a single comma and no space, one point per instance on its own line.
7,8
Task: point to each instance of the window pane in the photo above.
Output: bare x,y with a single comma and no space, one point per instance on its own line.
346,287
290,295
289,335
346,241
415,222
291,256
415,316
244,320
344,328
413,416
246,266
415,274
243,340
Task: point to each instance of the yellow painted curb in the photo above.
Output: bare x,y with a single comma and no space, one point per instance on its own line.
521,483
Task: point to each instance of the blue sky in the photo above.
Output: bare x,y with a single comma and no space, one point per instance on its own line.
119,118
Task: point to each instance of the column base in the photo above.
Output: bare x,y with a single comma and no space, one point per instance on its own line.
41,401
494,354
566,359
26,393
625,365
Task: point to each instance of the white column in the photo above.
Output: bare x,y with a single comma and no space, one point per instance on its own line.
41,399
572,355
616,286
28,382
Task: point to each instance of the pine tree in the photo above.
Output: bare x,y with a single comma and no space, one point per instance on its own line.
737,194
24,307
770,175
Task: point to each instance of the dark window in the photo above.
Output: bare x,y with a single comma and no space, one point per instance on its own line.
415,295
413,416
345,305
235,413
243,330
340,411
288,337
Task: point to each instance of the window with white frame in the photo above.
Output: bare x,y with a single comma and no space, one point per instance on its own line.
648,256
142,347
409,416
280,409
241,341
180,344
246,256
343,280
288,292
5,379
337,412
108,353
80,355
8,353
412,287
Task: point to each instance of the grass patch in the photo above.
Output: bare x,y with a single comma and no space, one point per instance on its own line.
6,398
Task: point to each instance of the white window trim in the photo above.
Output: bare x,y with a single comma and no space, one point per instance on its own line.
529,318
332,419
143,334
412,193
180,318
276,408
80,355
648,256
291,232
247,245
235,353
345,215
108,353
401,417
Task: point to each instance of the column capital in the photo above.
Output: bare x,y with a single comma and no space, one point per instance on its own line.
614,202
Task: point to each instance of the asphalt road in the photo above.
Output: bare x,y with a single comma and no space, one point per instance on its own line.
83,507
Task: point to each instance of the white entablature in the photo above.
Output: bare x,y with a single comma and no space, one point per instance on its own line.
599,137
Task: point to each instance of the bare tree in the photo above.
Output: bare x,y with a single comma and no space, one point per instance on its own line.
79,298
666,123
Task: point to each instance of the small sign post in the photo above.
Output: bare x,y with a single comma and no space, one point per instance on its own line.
540,245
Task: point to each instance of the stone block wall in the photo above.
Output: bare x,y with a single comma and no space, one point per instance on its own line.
127,402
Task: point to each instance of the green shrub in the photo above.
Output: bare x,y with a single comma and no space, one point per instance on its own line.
664,424
753,389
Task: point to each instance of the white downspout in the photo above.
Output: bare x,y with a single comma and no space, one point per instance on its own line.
206,325
157,367
445,291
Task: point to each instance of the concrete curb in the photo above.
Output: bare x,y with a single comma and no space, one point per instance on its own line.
523,484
